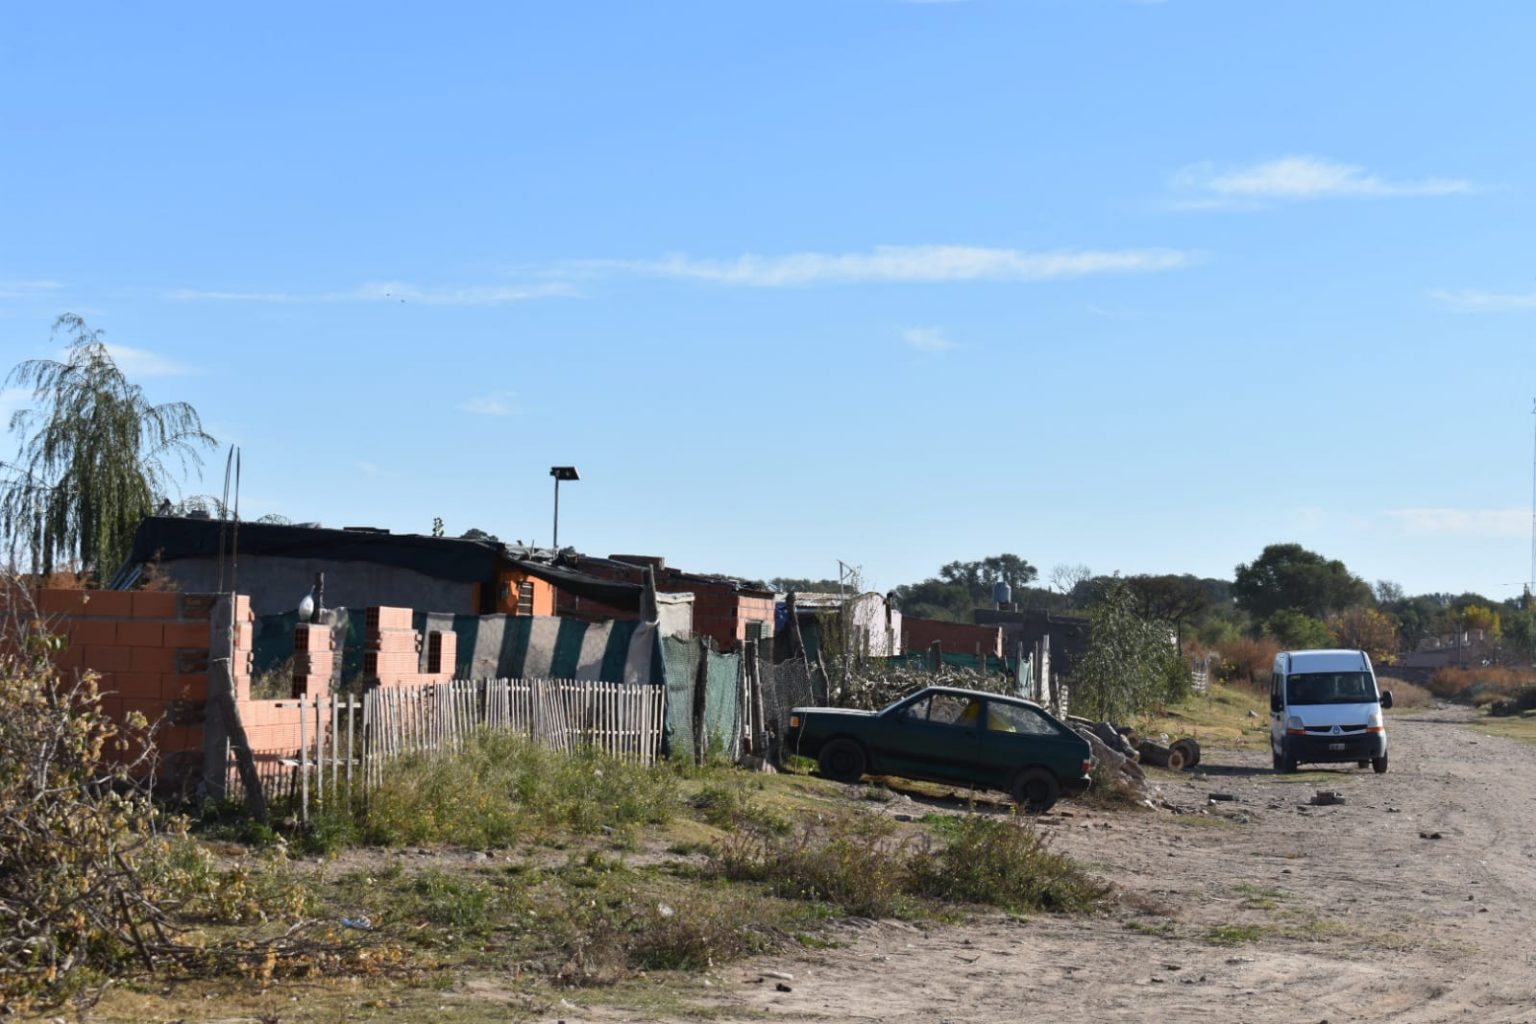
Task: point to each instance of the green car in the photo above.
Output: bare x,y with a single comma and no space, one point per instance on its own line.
941,734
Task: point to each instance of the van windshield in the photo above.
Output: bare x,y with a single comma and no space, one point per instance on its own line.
1330,688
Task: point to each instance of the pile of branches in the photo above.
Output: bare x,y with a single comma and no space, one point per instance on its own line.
74,823
873,686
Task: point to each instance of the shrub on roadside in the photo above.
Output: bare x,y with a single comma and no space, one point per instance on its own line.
1005,863
1404,693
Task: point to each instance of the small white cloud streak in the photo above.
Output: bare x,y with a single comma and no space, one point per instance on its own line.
136,362
1496,523
918,264
27,289
497,403
927,339
1302,178
1474,301
390,291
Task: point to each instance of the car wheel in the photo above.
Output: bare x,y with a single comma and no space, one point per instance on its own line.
1275,759
842,760
1379,764
1036,790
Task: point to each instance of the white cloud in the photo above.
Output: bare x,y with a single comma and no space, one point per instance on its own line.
927,339
27,289
1299,178
917,264
135,362
391,291
1475,301
497,403
1497,523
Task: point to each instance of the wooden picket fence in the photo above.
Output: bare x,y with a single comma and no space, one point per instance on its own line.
347,746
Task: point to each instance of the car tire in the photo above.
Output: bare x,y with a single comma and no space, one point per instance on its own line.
1036,790
842,760
1275,760
1287,761
1379,764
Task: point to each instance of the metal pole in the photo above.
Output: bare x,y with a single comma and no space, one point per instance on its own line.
556,544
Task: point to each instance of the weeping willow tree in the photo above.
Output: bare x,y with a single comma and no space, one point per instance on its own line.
94,456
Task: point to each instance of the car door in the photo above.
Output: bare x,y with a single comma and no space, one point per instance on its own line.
930,738
1017,736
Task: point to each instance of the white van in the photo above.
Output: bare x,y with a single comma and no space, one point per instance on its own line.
1324,707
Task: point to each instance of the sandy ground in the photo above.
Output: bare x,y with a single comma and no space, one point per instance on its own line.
1412,901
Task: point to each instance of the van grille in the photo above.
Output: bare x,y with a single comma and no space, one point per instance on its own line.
1342,728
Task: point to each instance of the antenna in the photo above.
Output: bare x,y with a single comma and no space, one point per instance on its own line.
1532,584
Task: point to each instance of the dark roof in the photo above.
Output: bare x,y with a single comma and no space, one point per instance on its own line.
169,538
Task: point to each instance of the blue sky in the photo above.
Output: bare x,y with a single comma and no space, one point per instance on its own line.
1143,286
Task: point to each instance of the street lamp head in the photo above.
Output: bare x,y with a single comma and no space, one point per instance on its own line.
564,473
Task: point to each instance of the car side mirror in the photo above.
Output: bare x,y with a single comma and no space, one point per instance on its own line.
1386,699
1276,704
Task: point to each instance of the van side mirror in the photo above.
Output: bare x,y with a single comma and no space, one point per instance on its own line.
1386,699
1276,704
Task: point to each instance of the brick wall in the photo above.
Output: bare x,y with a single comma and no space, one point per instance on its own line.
956,637
150,652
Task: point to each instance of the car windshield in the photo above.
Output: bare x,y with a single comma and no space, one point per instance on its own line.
1330,688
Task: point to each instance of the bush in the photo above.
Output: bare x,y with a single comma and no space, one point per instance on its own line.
502,788
76,830
1479,685
1247,661
852,864
1405,694
1004,863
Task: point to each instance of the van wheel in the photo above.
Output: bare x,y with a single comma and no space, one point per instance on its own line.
1287,761
1379,764
1275,759
842,760
1036,790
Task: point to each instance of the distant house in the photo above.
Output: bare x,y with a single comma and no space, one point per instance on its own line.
955,637
872,625
363,567
1022,630
728,609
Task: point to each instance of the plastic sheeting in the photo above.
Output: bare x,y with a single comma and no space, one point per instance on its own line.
680,661
722,705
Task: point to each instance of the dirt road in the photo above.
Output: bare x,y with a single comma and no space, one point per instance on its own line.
1413,901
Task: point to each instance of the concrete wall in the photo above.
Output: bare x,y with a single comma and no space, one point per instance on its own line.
276,584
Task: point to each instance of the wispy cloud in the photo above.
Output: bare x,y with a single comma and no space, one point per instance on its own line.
927,339
136,362
497,403
917,264
1496,523
1476,301
15,289
391,291
1296,179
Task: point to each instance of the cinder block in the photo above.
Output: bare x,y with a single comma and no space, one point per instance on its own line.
187,634
384,617
197,607
104,603
152,659
133,633
61,602
106,659
156,604
92,632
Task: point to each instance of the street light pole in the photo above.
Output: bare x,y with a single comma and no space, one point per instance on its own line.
560,473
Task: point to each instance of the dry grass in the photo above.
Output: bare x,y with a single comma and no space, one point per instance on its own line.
1234,717
1481,684
1406,694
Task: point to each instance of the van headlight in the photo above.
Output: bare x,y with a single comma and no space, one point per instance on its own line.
1295,726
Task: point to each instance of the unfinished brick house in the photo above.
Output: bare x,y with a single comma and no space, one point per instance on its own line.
725,608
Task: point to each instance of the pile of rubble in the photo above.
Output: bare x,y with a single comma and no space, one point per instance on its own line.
1122,753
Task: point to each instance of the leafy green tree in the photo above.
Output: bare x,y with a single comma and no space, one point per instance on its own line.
1418,618
1297,631
1366,629
962,587
1131,663
1173,599
1289,577
93,457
